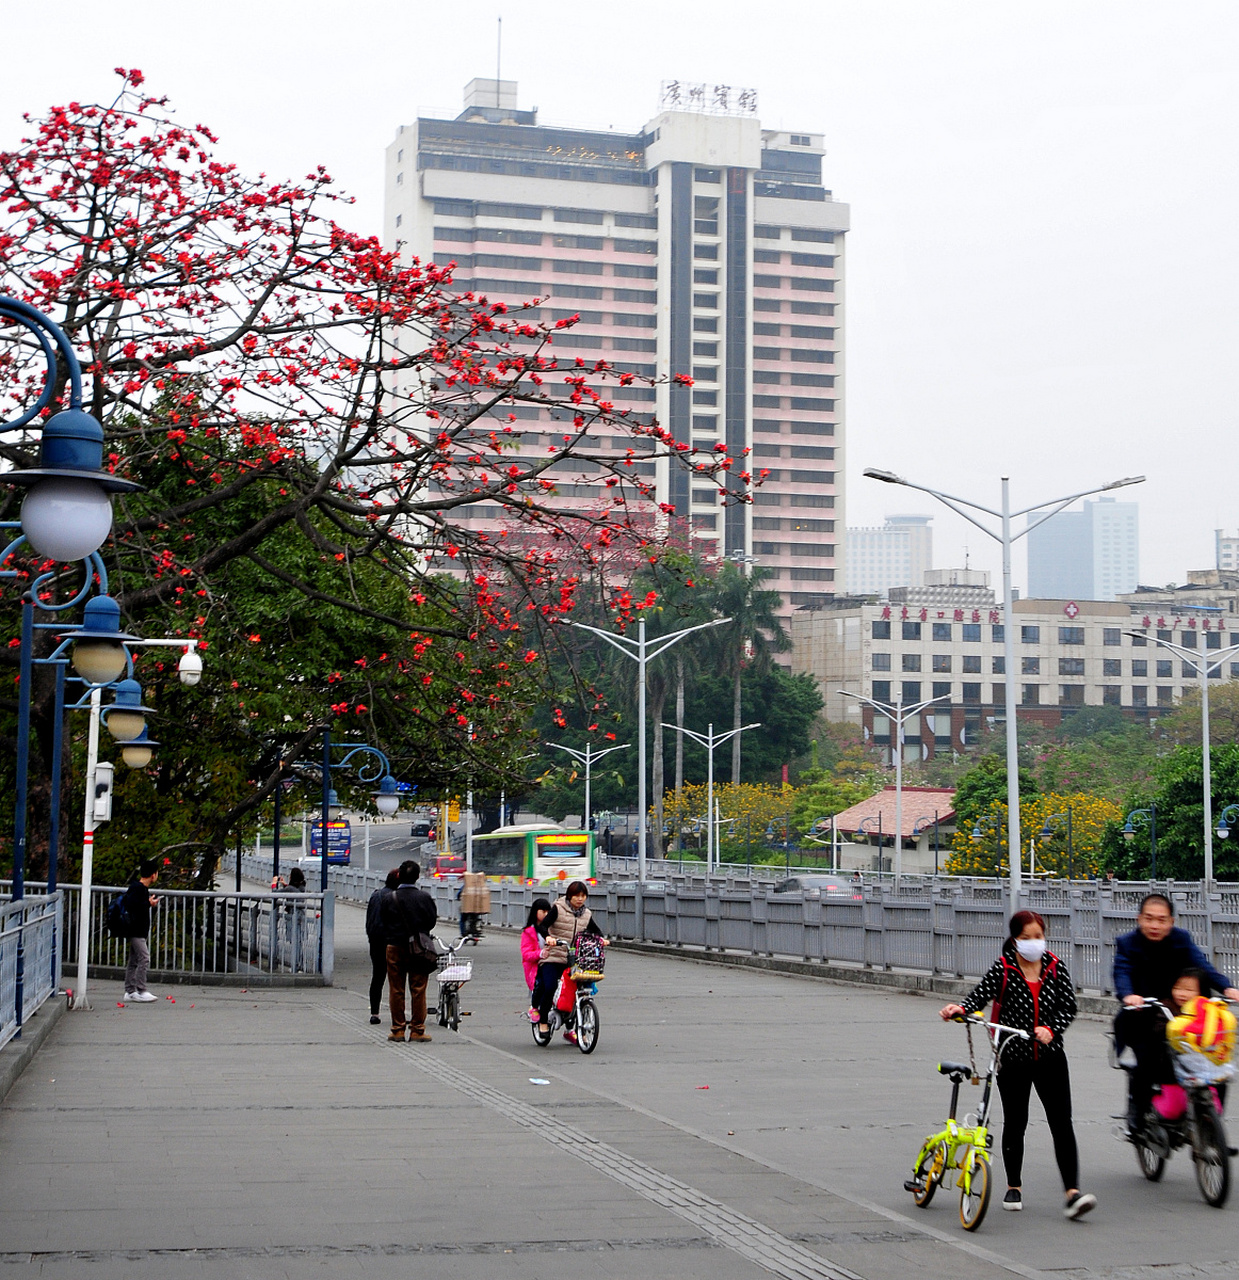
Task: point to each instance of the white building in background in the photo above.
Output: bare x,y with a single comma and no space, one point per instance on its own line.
702,244
895,554
1227,551
1092,554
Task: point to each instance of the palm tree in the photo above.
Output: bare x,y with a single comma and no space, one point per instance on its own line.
752,635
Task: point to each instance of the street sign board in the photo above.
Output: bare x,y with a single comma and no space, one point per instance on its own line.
339,840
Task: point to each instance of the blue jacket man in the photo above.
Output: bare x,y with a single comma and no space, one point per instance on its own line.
1146,963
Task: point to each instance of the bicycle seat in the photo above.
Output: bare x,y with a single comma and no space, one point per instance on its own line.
954,1068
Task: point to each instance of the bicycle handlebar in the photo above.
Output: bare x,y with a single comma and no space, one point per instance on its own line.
991,1026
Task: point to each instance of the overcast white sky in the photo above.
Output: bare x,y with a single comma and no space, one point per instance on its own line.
1042,272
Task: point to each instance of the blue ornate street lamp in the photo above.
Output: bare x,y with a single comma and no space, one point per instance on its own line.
1145,818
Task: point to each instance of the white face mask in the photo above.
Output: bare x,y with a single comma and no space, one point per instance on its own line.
1031,949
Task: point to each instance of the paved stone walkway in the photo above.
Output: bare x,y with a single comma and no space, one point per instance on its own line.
730,1125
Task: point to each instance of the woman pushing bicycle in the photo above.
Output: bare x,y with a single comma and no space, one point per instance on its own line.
1031,989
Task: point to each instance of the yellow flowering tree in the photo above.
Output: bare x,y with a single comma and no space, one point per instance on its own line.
1091,817
747,810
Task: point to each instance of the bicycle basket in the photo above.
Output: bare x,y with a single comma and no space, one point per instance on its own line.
453,970
587,964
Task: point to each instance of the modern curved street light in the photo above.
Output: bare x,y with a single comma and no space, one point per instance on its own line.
1005,538
1048,833
1225,818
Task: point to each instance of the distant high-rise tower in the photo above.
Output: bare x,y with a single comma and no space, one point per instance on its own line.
703,245
1093,554
1227,552
896,554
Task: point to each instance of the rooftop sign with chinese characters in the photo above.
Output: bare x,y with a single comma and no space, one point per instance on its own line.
712,99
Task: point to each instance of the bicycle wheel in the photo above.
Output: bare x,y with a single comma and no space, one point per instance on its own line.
1152,1162
974,1193
587,1027
453,1010
928,1173
540,1038
441,1008
1211,1155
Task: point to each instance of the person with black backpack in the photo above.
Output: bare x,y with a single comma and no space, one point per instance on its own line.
136,914
408,915
1031,990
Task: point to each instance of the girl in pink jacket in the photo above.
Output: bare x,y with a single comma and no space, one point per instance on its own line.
531,945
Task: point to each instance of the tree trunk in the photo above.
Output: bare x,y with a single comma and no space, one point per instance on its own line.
736,720
679,745
657,696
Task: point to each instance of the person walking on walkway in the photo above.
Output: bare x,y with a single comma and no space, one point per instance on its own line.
138,904
1031,989
1146,963
378,943
405,912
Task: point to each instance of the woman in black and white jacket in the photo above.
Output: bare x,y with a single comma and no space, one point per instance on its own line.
1031,989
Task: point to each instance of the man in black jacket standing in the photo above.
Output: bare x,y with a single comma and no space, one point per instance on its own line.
138,903
404,912
378,942
1146,963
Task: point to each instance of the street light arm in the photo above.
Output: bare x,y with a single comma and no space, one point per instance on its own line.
1189,655
1084,493
657,647
888,477
611,638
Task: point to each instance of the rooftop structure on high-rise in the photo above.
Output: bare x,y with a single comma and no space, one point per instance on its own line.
703,244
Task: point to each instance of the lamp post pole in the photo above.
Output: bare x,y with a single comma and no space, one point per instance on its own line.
1146,817
1047,832
1006,538
710,740
587,758
900,717
643,653
1204,667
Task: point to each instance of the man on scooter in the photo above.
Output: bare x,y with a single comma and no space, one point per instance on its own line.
1146,963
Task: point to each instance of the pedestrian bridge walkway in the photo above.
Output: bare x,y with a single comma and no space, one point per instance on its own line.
729,1125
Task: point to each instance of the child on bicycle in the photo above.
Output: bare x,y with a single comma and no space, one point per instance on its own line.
531,947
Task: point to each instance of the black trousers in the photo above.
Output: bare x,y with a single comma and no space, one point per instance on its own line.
378,975
544,988
1048,1074
1144,1032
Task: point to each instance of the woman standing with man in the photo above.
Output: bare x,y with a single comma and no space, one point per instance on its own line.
1031,989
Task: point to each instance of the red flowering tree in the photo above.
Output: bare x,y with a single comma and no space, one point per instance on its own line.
312,419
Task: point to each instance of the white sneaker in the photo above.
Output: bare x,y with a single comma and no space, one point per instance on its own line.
144,996
129,995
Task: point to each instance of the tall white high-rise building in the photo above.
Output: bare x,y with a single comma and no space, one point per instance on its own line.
702,244
1092,554
895,554
1227,547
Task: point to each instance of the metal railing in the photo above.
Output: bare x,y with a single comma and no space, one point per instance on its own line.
949,927
198,933
29,927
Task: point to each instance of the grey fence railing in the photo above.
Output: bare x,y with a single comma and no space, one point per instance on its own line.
30,926
946,927
273,936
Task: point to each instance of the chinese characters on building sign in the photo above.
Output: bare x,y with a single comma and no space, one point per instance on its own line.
715,99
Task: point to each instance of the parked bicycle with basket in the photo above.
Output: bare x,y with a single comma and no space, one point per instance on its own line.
452,973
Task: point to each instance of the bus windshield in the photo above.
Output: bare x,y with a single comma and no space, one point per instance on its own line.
499,855
560,847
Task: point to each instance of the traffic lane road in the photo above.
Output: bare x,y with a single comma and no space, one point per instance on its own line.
840,1086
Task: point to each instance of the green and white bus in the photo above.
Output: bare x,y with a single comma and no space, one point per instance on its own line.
535,855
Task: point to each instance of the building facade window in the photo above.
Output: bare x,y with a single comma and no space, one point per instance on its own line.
971,633
971,694
1071,635
1030,635
998,665
1030,666
1140,642
911,692
1032,695
1165,669
1140,668
1071,666
1165,696
1112,695
881,629
1112,666
971,664
1140,695
1213,639
942,663
911,662
998,694
881,690
942,632
911,630
1111,635
1070,695
998,633
881,661
942,689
